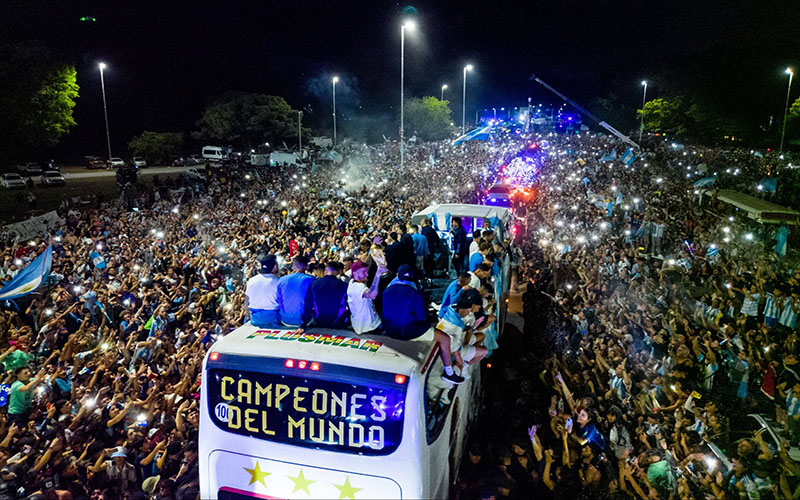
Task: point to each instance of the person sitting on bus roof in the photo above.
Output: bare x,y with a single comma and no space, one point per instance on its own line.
472,349
454,291
480,273
404,312
476,241
484,249
329,298
294,298
449,334
363,317
262,294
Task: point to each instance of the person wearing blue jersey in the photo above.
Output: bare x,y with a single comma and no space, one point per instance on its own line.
406,318
294,299
454,290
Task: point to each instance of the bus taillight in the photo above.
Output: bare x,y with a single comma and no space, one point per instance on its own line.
289,363
213,356
400,379
302,364
315,367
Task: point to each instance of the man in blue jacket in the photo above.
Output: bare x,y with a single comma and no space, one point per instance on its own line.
404,312
294,298
459,244
329,298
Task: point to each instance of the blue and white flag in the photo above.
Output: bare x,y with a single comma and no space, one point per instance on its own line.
757,154
609,156
705,181
5,390
768,185
431,161
628,157
98,260
30,278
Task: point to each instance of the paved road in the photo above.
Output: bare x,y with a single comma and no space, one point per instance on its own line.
70,173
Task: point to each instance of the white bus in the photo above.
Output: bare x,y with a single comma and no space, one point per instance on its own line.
330,414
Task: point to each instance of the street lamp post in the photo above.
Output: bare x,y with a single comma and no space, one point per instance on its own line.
786,108
300,132
468,67
335,79
641,119
443,89
102,66
410,26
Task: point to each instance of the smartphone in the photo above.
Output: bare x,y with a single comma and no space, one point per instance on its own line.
568,427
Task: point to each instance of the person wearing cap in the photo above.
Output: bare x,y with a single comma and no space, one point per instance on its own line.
294,299
363,317
404,312
449,334
329,298
262,294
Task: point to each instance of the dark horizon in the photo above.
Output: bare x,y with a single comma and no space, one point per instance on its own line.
166,61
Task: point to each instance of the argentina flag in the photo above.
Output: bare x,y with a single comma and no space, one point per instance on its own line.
30,278
705,181
609,156
628,157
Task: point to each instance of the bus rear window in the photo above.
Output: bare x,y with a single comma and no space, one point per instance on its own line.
311,412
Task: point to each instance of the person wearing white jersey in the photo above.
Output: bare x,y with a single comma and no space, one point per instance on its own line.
262,294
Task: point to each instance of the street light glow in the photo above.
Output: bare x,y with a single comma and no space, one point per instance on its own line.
102,66
444,86
789,71
644,82
335,79
410,25
468,67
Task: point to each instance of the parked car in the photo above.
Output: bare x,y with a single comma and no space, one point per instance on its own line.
194,175
10,181
139,162
29,168
52,178
117,162
195,160
94,162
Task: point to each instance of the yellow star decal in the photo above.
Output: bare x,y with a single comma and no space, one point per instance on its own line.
256,474
301,483
346,490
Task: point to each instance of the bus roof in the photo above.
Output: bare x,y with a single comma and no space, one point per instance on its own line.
462,210
342,347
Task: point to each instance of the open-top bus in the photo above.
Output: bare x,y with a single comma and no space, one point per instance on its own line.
330,414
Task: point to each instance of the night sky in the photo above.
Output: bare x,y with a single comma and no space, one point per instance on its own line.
166,59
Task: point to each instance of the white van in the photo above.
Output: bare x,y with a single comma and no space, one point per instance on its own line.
278,158
213,153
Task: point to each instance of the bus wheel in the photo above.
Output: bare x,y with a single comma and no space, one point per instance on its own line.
454,443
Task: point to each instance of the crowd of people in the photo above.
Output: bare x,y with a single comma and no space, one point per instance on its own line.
667,321
653,323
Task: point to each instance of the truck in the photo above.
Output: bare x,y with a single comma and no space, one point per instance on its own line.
277,158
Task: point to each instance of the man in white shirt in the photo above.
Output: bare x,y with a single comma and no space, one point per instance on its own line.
363,317
262,295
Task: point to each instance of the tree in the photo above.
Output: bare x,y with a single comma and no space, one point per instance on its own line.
37,96
666,115
428,118
156,146
249,119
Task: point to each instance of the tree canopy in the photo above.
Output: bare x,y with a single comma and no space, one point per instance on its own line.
156,146
37,96
684,116
428,118
249,119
